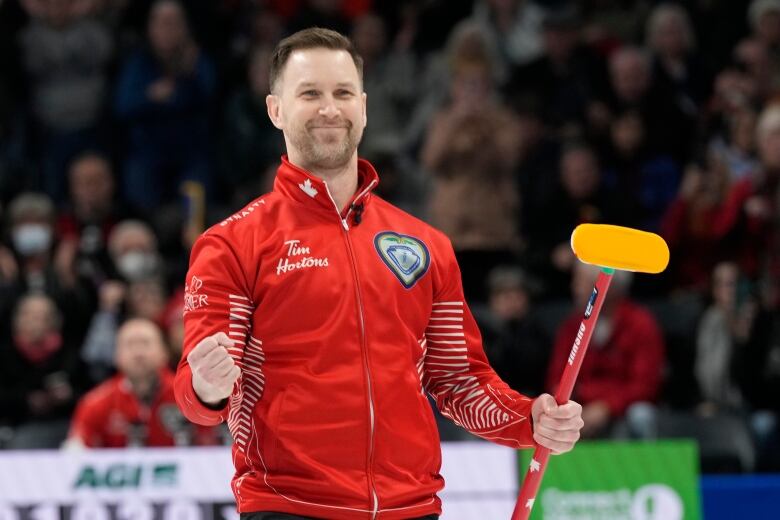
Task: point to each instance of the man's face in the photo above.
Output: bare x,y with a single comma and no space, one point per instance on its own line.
630,77
34,319
91,186
579,173
319,104
140,352
167,27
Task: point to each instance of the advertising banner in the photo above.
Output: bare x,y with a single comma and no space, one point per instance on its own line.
620,481
194,484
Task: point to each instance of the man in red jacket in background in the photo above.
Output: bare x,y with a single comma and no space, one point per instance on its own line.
625,358
319,317
136,407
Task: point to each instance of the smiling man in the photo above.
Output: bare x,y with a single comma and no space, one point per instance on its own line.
321,367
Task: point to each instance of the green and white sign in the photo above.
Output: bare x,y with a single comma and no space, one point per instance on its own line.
620,481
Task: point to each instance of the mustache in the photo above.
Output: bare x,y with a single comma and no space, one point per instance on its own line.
345,123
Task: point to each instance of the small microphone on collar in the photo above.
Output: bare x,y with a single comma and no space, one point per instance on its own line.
358,209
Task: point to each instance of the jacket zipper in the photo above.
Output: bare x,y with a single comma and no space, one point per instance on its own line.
363,346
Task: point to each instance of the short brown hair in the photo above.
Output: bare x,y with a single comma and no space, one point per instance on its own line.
312,38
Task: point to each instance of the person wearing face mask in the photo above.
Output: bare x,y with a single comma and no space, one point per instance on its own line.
132,247
623,369
36,261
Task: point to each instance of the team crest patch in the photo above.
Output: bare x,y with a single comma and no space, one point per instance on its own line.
406,257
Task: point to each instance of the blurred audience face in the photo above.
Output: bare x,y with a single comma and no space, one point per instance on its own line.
724,284
629,72
57,13
509,304
267,28
167,27
91,188
369,36
584,279
559,42
508,288
669,31
579,173
133,249
742,131
768,28
140,350
36,318
471,85
752,57
319,104
32,230
146,299
628,133
768,132
504,6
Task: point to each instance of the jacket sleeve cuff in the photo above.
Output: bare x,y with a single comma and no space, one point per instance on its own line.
193,408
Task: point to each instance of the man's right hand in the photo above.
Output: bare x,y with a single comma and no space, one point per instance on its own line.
213,370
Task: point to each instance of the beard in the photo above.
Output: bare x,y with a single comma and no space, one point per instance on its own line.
328,149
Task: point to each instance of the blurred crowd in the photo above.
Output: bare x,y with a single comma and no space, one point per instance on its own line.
128,127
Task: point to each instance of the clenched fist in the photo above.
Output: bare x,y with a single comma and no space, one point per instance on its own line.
213,370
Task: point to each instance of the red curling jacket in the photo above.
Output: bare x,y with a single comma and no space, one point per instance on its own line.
342,322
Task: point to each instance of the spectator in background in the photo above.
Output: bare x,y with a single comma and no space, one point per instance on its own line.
625,359
471,149
722,332
737,144
91,215
164,95
649,180
746,221
65,55
514,340
389,80
136,407
41,374
516,28
132,246
764,20
607,24
687,225
670,129
139,292
36,262
579,198
758,361
564,80
677,71
250,143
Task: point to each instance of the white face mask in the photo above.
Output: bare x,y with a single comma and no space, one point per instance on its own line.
137,265
31,239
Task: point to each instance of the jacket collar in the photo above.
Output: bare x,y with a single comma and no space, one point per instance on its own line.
306,188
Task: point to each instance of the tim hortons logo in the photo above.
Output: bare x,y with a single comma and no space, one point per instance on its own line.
300,259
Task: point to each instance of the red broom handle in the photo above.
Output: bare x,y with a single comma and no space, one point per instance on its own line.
533,477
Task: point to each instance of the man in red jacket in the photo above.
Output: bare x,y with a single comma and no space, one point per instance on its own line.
625,358
319,317
136,407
